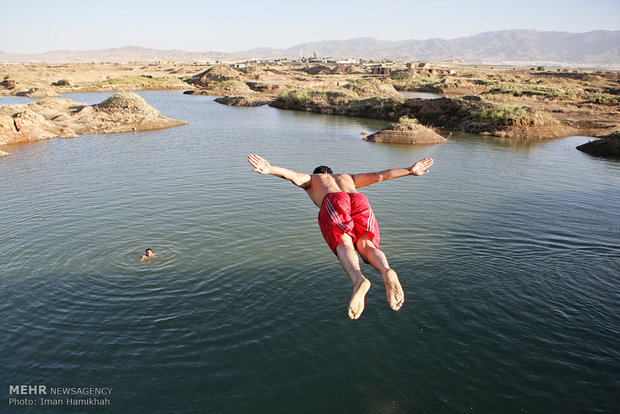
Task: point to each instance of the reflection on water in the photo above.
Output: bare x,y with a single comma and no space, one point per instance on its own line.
508,255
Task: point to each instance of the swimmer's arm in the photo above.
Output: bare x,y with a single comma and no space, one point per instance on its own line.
262,166
419,168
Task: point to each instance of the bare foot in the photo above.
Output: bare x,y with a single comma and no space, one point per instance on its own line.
395,294
356,305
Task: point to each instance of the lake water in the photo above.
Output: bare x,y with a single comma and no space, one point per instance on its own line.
509,255
420,95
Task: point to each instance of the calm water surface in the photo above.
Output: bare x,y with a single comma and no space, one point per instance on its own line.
509,256
421,95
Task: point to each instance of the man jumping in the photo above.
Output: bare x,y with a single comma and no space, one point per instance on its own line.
348,223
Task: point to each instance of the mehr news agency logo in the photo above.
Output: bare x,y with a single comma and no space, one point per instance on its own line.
41,395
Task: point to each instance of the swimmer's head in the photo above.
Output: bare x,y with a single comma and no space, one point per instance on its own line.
148,252
322,169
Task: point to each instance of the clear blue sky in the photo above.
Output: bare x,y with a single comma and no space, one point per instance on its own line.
33,26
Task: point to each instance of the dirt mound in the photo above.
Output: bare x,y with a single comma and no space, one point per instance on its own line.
318,70
343,69
127,102
52,118
406,131
426,136
38,93
254,73
217,73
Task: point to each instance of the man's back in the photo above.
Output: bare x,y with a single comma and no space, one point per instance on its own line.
319,185
323,184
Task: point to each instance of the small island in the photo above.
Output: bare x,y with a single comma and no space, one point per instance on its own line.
406,131
65,118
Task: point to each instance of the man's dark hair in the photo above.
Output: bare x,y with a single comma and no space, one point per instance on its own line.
322,169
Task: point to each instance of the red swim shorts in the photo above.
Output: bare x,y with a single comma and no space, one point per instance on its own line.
348,213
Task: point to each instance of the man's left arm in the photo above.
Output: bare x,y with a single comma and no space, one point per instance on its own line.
419,168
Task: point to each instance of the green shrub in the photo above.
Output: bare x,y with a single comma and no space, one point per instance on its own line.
402,76
402,82
529,92
408,122
370,87
502,114
603,99
319,96
375,105
140,81
295,95
511,115
494,96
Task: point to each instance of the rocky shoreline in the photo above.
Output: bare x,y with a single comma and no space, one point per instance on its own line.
603,147
514,103
448,113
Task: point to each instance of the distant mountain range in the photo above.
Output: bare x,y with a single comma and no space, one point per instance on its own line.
122,54
600,47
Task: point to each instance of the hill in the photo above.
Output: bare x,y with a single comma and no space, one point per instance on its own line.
122,54
600,48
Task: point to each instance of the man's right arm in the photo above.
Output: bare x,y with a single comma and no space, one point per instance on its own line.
262,166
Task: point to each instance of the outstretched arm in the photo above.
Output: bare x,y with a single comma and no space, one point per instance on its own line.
263,166
419,168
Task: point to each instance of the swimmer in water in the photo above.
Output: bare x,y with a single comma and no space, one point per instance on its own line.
147,255
347,222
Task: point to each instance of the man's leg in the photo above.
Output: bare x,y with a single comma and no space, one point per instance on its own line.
350,263
376,258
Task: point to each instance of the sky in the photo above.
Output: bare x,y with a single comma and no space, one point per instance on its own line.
36,26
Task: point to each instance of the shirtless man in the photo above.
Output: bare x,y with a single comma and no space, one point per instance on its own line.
147,255
348,223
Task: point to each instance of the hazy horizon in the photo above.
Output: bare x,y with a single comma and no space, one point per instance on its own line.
237,25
